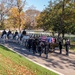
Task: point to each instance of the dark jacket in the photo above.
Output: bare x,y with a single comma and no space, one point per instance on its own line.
39,48
4,32
9,32
34,43
24,32
60,45
46,49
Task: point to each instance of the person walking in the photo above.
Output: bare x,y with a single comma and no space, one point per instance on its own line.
24,32
46,49
29,43
9,32
16,34
34,45
60,47
4,36
3,33
39,50
67,45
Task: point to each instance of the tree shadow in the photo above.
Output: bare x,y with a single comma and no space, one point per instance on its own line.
64,60
50,62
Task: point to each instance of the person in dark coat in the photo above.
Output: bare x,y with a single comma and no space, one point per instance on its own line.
29,43
34,43
46,49
39,50
4,32
60,47
16,33
9,32
24,32
67,44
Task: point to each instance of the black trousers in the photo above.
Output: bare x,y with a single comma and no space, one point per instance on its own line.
67,50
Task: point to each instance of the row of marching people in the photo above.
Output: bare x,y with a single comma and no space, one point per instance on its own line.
44,43
9,35
36,44
40,44
22,36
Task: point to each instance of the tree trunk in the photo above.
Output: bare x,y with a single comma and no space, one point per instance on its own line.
52,33
19,22
63,34
2,25
59,35
2,21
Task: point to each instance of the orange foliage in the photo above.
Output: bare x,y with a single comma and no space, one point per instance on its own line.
16,16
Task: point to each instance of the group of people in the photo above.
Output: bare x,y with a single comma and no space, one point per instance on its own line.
9,33
33,43
36,44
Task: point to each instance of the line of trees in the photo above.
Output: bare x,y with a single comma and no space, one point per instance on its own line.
5,6
13,15
58,16
8,5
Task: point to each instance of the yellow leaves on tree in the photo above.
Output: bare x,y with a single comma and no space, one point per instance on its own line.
16,16
14,12
22,16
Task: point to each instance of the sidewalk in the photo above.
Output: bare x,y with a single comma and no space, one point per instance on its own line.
60,63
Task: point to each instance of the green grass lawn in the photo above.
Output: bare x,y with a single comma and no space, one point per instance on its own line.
14,64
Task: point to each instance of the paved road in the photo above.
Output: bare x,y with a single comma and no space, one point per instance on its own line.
61,63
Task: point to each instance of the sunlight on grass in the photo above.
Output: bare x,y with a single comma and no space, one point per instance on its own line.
12,63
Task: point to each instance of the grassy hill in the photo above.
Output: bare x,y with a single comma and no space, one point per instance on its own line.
14,64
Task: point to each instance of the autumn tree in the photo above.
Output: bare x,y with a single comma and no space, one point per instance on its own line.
14,17
43,19
16,14
20,5
59,17
30,16
5,6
